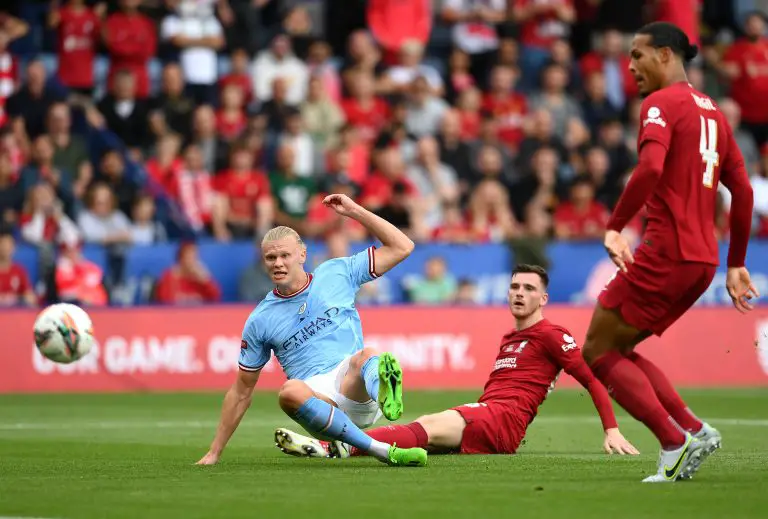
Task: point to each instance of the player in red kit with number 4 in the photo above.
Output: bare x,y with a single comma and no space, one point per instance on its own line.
685,149
528,363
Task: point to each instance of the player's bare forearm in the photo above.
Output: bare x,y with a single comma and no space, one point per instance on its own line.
236,403
640,186
396,246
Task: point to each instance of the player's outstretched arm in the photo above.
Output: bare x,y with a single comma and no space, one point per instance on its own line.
570,359
236,403
735,178
396,246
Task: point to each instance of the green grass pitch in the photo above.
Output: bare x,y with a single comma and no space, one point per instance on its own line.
132,456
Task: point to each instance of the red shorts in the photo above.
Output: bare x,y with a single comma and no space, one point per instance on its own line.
492,428
656,291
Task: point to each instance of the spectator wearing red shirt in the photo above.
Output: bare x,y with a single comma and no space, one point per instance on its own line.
164,167
230,119
582,217
77,279
507,106
366,112
192,189
187,282
243,206
78,37
541,23
239,74
15,288
746,64
131,40
393,23
611,60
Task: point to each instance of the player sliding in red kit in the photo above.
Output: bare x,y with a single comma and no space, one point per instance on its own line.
685,149
528,363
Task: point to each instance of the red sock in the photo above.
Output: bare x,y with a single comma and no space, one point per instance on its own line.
405,436
629,386
667,395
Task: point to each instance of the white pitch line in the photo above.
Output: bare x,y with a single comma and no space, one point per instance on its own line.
69,425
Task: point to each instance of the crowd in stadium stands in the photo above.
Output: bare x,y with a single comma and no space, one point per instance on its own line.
461,121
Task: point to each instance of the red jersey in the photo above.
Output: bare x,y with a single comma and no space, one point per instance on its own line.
229,127
78,38
544,28
14,283
699,143
509,113
581,224
243,190
752,82
683,13
528,365
369,121
378,189
177,289
241,80
131,41
80,281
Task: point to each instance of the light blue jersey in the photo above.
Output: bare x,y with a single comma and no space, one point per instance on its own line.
313,330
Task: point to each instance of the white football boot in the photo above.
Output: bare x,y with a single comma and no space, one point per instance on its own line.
711,439
680,463
297,444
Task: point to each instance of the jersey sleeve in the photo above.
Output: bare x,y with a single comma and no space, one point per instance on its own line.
362,266
655,121
254,353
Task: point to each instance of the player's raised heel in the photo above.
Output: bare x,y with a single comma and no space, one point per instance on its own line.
296,444
390,387
711,440
414,457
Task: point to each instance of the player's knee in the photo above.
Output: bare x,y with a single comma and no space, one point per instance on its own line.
292,395
359,359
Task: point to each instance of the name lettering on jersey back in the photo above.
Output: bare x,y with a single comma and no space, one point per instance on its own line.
704,103
310,329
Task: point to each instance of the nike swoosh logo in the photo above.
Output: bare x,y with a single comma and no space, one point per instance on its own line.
670,472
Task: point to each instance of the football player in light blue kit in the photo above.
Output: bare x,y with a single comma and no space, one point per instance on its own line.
335,385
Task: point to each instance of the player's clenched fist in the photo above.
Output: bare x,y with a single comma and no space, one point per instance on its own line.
342,204
615,442
210,458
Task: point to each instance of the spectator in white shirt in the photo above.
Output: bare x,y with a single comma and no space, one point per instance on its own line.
399,77
300,141
198,35
424,111
102,222
278,61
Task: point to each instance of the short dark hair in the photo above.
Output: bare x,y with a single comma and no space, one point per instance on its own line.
524,268
665,34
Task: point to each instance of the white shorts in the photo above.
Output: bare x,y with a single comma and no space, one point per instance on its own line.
362,414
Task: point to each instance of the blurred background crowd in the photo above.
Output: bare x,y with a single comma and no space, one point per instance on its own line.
127,123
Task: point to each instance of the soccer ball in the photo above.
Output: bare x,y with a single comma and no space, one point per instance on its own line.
63,333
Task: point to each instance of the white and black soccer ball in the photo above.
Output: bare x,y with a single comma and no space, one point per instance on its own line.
64,333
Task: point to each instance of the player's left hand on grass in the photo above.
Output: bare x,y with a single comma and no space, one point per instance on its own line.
615,442
741,289
618,249
342,204
210,458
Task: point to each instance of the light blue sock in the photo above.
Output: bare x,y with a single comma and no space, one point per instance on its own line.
370,374
323,420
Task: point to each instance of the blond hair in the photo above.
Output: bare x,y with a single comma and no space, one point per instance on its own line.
280,232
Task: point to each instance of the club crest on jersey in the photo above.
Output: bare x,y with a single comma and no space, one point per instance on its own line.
512,349
654,117
302,308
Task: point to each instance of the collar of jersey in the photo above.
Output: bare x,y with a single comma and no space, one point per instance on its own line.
299,291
